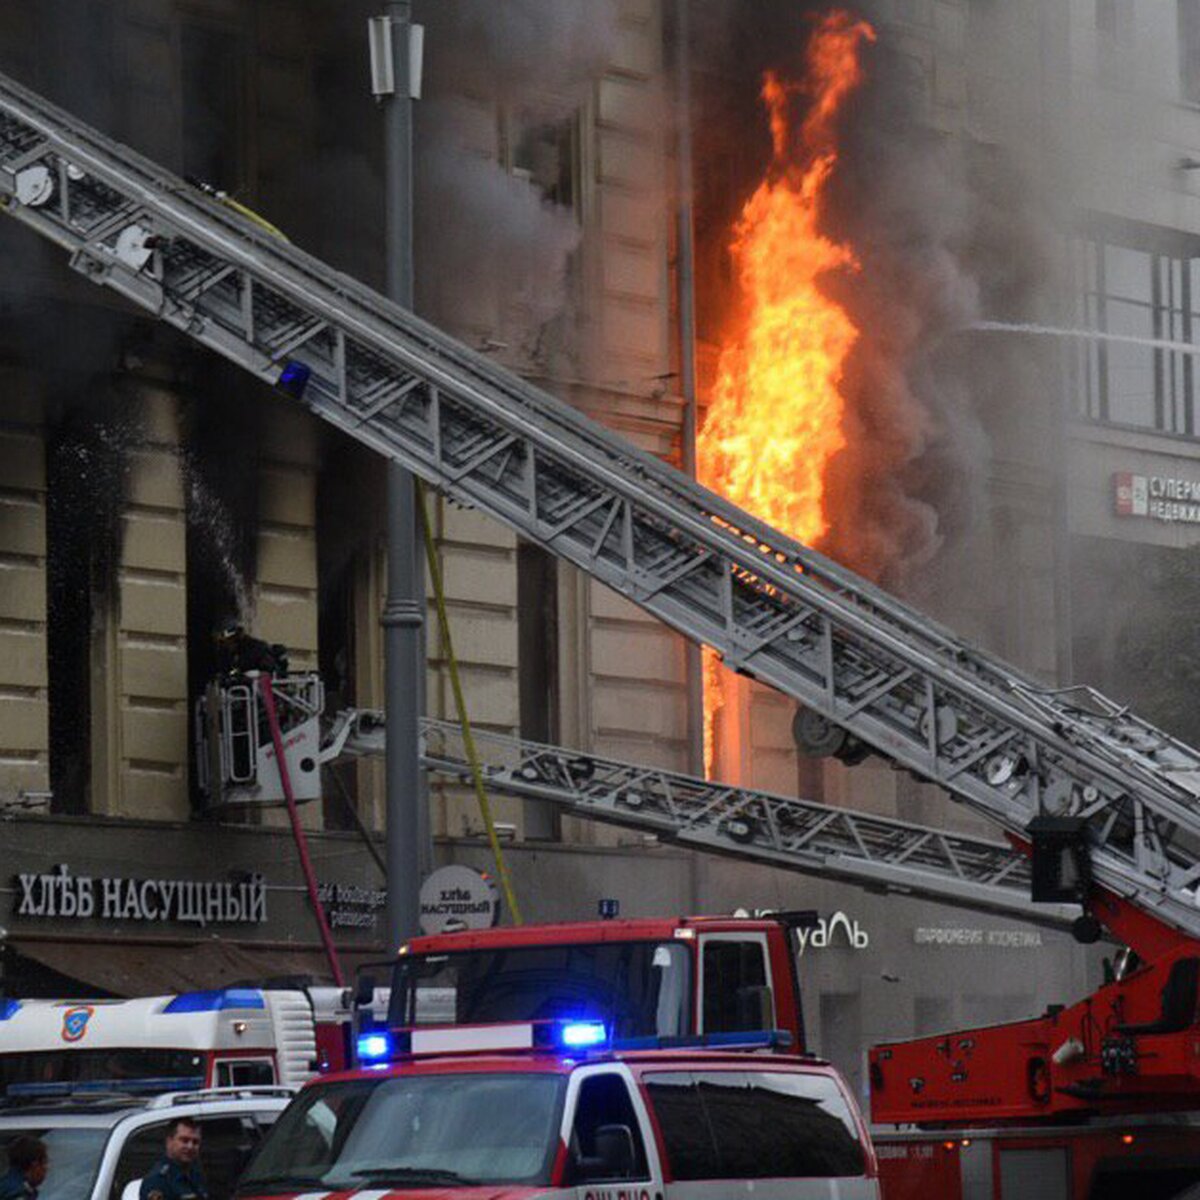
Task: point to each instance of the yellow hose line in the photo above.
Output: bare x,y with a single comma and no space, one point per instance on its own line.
456,684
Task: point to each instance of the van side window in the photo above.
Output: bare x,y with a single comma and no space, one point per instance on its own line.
687,1139
245,1072
606,1140
755,1125
141,1151
736,996
225,1148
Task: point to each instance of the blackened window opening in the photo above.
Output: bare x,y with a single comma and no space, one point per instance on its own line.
537,667
220,478
86,481
213,77
351,503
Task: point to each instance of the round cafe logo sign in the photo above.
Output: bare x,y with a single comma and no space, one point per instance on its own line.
458,898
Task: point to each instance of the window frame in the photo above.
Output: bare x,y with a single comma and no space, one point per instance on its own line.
695,1073
707,939
1171,299
648,1130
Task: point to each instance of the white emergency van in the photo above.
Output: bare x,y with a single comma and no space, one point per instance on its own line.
550,1111
227,1037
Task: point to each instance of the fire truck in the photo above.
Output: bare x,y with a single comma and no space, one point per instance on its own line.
231,1037
652,982
1106,805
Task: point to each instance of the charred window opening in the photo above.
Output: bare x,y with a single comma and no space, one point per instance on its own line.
212,64
351,501
220,473
546,154
86,469
537,666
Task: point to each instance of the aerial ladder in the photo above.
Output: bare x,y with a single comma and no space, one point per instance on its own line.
236,755
1113,801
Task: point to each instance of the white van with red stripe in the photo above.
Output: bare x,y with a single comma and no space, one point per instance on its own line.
230,1037
563,1120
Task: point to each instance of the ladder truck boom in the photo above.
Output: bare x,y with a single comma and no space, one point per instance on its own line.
999,741
877,853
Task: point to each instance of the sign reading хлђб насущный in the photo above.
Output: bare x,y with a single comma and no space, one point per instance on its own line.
59,894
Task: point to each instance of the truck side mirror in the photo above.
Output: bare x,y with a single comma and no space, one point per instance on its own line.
364,991
614,1151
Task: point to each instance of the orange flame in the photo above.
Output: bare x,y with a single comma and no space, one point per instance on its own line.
775,415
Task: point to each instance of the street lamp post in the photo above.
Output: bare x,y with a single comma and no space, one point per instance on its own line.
395,55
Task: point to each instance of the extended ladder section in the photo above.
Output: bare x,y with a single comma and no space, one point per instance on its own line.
996,739
877,853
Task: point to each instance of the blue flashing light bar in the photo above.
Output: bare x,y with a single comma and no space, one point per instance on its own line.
9,1009
82,1087
215,1001
582,1035
751,1039
294,378
373,1047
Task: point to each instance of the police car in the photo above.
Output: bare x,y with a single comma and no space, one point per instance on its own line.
100,1142
551,1110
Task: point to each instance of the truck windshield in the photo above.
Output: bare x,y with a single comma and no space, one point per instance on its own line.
414,1131
641,989
74,1156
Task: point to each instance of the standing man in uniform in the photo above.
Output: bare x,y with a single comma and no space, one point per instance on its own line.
28,1161
177,1175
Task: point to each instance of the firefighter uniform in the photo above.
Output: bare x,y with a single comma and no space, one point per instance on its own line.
168,1180
14,1186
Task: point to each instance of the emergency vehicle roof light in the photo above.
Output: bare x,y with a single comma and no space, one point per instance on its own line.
293,379
8,1008
755,1039
373,1047
582,1035
214,1001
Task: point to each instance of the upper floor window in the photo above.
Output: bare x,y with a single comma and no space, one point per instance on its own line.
546,153
1146,301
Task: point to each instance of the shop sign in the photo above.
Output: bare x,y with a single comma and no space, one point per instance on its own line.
61,895
349,907
1156,496
824,933
1003,939
458,897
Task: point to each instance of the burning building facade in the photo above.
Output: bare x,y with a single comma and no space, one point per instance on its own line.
905,186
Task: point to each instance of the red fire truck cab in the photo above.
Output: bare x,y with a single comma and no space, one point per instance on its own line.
644,978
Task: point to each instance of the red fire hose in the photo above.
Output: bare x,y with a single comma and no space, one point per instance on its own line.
306,866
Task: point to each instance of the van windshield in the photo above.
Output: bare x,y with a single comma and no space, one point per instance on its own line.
640,989
413,1131
74,1156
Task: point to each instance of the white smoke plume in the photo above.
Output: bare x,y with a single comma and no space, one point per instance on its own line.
494,251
